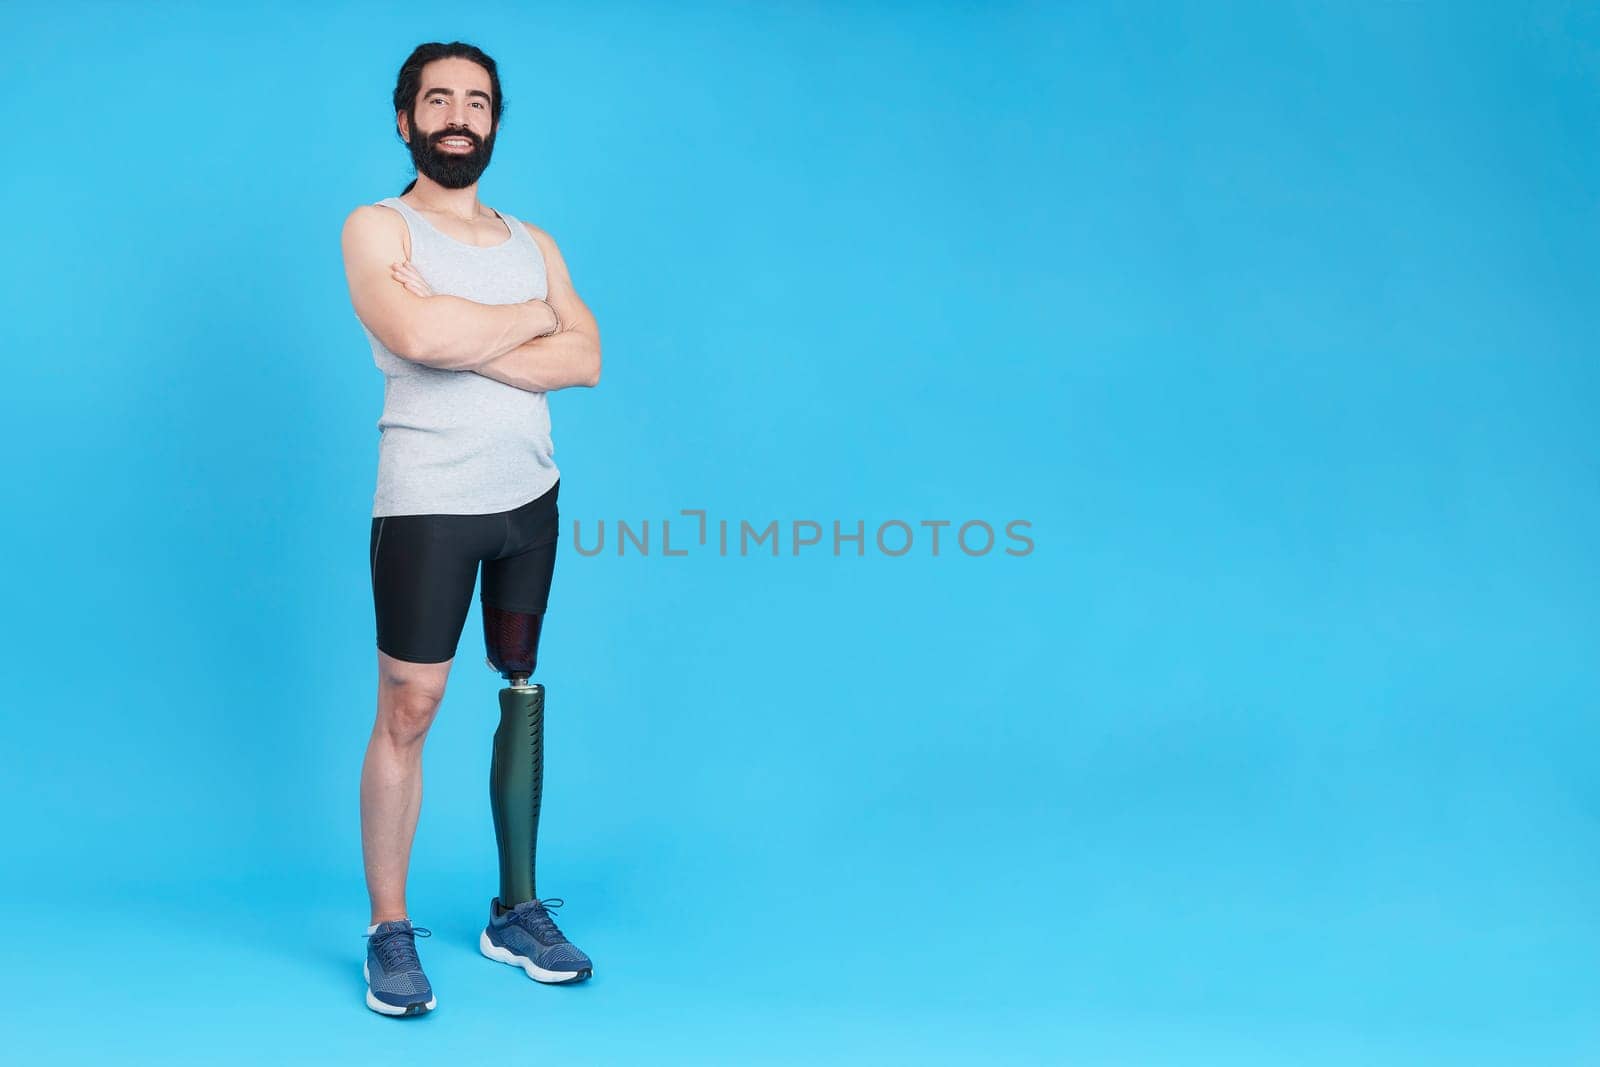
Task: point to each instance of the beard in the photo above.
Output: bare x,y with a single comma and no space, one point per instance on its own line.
453,170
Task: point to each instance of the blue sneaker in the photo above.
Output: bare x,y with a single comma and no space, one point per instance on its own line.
525,936
395,982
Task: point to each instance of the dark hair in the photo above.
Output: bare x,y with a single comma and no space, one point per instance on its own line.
409,83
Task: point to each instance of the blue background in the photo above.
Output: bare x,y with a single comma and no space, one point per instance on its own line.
1276,320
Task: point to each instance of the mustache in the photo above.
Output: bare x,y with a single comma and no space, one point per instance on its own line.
477,142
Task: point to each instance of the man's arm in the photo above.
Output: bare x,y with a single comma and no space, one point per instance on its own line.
446,332
568,358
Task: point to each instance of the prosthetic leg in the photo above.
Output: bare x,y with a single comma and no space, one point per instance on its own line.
516,772
520,930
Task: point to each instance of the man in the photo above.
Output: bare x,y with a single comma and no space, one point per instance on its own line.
473,319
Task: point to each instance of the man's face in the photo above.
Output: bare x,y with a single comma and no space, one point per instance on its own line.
449,130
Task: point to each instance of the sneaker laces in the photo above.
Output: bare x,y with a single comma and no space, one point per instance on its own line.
534,916
396,948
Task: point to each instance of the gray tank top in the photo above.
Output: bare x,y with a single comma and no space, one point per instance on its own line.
455,442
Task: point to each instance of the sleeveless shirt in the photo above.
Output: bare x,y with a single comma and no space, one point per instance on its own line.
455,442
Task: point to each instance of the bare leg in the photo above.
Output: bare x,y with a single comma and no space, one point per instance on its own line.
391,777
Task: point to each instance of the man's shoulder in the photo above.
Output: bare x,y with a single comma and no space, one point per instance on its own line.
537,232
541,237
373,230
368,216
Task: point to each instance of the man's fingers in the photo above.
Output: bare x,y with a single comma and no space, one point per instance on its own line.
407,275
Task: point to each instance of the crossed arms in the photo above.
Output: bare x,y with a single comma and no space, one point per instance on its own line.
499,341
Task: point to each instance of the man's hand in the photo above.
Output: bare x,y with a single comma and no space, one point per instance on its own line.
445,332
568,358
407,275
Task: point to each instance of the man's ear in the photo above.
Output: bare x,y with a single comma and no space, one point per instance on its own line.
404,122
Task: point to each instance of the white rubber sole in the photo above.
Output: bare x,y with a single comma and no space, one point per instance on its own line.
537,973
389,1009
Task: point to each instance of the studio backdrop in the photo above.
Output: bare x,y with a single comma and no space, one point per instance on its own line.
1083,550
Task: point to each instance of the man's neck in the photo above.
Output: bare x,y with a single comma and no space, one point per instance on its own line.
462,203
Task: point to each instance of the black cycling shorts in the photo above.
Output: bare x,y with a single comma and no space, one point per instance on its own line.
424,567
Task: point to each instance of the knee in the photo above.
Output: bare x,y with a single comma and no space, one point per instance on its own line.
408,709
